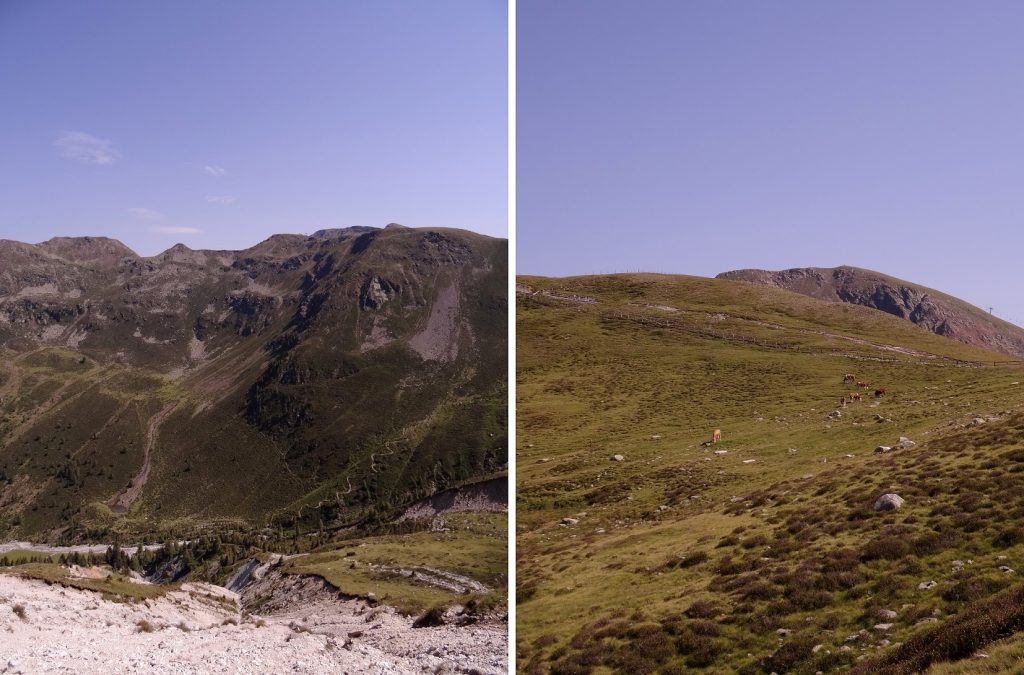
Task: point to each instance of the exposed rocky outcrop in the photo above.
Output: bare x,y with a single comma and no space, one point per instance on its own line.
940,313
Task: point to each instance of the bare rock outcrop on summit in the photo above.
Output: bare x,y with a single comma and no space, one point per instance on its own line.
940,313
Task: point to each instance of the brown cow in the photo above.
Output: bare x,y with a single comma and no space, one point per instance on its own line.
854,396
716,435
849,377
863,385
879,393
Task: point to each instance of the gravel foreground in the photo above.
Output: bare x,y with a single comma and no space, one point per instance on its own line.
199,629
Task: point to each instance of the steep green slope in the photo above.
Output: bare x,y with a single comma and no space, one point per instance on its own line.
324,380
683,555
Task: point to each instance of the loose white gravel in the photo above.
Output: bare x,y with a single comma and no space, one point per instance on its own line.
71,631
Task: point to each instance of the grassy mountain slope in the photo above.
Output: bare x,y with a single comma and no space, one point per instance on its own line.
684,556
327,379
938,312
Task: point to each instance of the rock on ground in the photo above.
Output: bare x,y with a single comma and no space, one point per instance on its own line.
889,502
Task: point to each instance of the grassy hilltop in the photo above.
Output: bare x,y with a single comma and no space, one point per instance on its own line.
761,553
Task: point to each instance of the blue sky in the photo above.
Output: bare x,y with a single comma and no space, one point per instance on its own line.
218,124
698,137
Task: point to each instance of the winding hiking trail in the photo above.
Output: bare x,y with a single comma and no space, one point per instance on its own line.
337,496
373,455
120,502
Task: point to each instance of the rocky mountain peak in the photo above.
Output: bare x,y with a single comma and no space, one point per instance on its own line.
940,313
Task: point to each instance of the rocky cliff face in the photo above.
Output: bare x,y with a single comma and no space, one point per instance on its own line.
348,369
935,311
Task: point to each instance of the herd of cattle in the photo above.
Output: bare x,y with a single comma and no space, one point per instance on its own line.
854,396
716,435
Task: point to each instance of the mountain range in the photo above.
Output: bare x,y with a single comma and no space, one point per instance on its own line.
332,377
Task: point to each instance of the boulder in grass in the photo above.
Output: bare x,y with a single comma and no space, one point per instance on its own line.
889,502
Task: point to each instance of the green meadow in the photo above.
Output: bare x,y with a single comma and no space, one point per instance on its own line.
761,553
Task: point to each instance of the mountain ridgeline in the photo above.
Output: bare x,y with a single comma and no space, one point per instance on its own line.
940,313
332,377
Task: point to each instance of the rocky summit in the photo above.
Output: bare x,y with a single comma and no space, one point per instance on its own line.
332,378
940,313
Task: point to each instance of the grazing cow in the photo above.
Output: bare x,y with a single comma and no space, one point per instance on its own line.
842,402
863,385
854,396
879,393
848,377
716,435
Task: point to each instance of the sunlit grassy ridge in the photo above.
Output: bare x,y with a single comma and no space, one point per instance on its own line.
684,558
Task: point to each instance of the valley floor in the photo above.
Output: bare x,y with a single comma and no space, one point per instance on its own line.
200,628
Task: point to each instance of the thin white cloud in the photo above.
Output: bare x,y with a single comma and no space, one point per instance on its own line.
220,199
83,147
177,230
145,214
214,170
